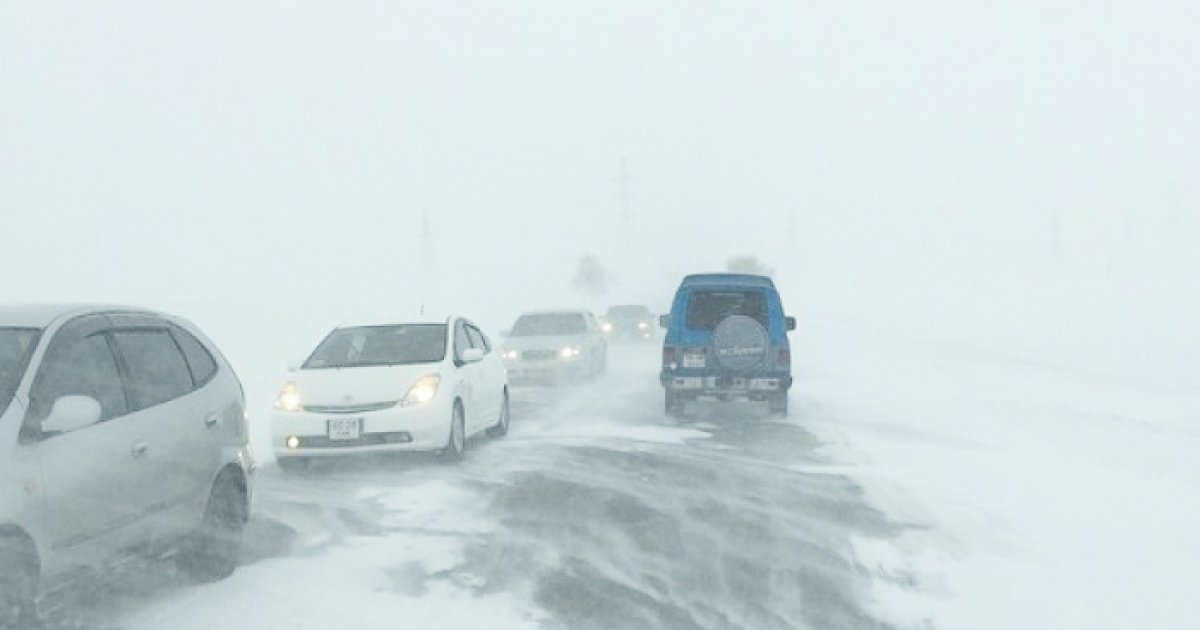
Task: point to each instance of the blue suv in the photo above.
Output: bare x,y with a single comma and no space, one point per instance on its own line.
726,338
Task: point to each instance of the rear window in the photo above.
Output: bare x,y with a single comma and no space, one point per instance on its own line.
706,309
157,370
365,346
549,324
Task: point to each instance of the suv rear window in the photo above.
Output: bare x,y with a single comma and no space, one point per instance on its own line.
706,309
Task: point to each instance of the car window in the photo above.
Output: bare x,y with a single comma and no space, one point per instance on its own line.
478,340
80,366
154,364
367,346
16,347
549,324
706,309
199,361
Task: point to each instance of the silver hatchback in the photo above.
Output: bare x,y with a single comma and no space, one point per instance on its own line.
121,431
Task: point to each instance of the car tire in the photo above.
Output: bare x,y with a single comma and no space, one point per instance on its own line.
18,584
501,428
778,404
214,551
673,404
456,441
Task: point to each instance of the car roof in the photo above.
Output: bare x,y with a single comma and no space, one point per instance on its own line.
356,322
43,315
558,311
727,279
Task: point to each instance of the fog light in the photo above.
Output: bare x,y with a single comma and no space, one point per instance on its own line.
293,442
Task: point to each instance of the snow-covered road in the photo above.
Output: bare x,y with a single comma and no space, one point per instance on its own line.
916,486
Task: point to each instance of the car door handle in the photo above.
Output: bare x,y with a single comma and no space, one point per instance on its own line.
212,421
138,450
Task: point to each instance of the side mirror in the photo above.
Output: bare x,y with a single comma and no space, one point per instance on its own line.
472,355
71,413
294,364
790,322
664,321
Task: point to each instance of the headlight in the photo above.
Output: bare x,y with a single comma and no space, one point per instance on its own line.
289,397
606,327
511,354
570,352
422,391
643,325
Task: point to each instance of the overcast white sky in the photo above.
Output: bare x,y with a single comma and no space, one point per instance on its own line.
269,152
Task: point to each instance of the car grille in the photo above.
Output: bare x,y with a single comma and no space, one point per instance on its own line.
361,408
367,439
539,355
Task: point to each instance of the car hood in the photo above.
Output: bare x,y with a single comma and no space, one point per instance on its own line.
340,387
556,342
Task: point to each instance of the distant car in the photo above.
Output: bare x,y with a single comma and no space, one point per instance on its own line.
727,338
414,386
120,429
549,346
632,322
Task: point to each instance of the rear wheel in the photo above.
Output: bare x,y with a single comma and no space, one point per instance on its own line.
673,404
501,427
778,404
18,584
214,552
456,443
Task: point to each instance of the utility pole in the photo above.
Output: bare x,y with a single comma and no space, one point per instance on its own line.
426,240
626,199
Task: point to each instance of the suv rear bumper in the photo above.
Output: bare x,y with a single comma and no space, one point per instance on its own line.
725,385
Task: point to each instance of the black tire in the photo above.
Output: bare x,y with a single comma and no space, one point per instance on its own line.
456,442
292,464
501,428
214,551
18,584
778,404
673,404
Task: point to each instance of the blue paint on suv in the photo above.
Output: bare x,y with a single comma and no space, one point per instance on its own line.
726,338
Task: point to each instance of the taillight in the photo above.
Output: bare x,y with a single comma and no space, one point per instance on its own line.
669,357
785,359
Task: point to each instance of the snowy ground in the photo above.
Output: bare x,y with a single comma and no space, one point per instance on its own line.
918,485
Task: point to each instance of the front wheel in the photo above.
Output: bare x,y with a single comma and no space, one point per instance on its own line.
18,584
501,427
214,552
456,443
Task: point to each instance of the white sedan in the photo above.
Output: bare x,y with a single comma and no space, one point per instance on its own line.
417,386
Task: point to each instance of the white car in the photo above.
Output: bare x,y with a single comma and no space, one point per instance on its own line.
120,429
555,345
416,386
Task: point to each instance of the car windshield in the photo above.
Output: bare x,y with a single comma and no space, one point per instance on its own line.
16,346
549,325
706,309
365,346
628,312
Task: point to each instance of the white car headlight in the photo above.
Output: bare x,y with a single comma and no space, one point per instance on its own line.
422,391
606,327
511,354
570,352
643,325
289,397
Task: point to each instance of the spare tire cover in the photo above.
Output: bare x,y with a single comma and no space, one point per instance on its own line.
740,343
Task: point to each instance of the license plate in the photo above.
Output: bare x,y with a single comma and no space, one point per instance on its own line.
344,428
693,360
